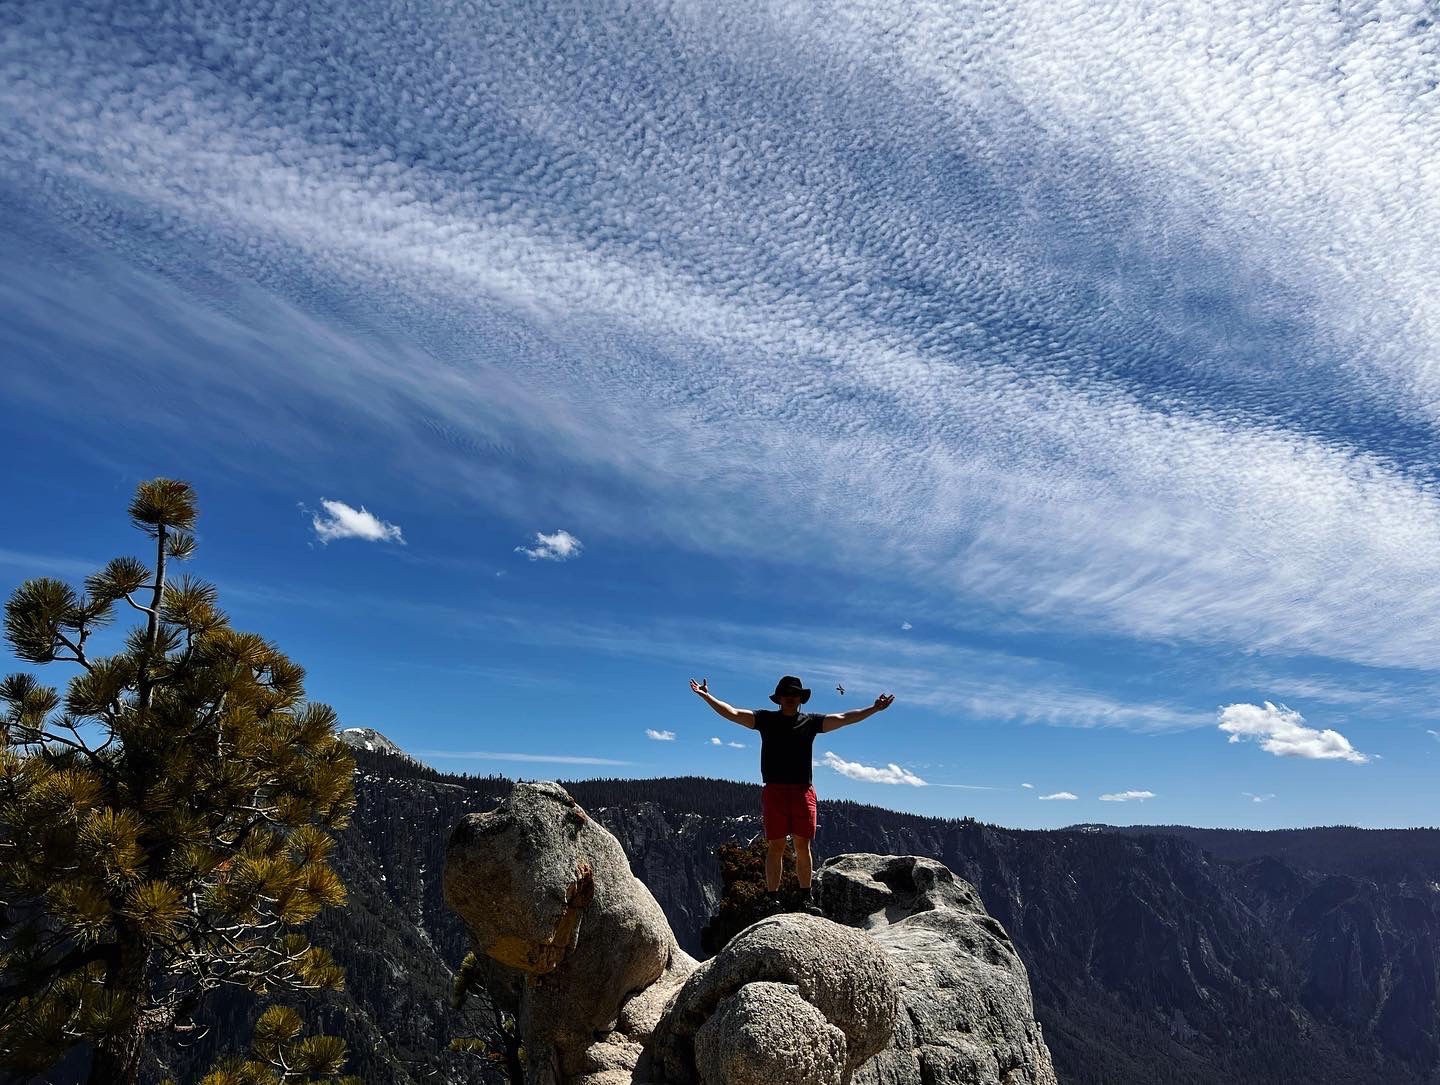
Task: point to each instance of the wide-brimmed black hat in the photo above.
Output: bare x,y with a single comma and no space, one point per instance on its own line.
790,684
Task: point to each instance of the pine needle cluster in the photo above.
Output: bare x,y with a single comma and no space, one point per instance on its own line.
281,1055
165,824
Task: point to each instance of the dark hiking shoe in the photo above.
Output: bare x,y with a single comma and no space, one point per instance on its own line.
802,901
770,904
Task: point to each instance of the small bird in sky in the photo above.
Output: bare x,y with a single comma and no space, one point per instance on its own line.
841,689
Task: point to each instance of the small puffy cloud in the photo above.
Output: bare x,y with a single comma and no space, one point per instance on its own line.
561,546
1028,787
1064,796
660,736
890,774
716,742
340,521
906,625
736,745
1257,798
1128,796
1282,731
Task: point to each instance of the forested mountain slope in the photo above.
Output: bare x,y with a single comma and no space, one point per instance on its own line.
1167,955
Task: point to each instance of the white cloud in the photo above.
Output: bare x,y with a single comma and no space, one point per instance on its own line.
660,736
716,742
1433,734
1081,489
1063,795
1128,796
906,625
561,546
1257,798
1028,786
736,745
890,774
1282,731
340,521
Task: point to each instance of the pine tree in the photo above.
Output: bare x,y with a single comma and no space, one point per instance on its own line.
280,1055
165,826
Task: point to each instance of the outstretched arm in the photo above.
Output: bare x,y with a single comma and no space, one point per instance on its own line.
743,716
836,720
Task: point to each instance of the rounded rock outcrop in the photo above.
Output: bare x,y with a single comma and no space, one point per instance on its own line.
767,1034
968,1017
548,893
841,972
915,983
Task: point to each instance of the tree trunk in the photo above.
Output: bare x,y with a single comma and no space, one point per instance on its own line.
118,1062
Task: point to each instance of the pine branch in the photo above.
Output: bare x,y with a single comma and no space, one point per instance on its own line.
75,959
79,743
39,736
79,652
144,610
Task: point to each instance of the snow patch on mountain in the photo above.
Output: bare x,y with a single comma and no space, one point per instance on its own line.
367,738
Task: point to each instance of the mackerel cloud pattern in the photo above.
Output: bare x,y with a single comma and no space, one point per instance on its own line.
1122,318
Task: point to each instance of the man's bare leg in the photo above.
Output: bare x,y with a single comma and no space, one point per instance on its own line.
775,863
803,862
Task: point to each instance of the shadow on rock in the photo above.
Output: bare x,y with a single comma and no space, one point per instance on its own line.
906,981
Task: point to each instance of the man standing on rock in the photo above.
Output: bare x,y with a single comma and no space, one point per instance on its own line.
787,800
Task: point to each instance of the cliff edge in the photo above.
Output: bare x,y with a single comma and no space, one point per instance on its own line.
905,979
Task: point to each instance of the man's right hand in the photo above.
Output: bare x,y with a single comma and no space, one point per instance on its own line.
701,687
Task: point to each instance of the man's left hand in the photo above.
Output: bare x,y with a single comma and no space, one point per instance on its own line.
884,701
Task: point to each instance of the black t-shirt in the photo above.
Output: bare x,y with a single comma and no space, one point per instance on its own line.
785,745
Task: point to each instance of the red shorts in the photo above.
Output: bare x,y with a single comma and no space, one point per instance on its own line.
789,810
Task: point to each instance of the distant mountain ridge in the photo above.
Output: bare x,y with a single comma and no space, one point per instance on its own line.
1155,955
372,741
1325,849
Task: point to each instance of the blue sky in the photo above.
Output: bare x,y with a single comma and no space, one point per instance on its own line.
1070,374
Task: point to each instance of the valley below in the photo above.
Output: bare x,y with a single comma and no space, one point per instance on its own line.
1154,954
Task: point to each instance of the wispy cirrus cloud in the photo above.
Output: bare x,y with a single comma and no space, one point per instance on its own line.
1282,732
931,674
538,758
48,564
341,521
1187,403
